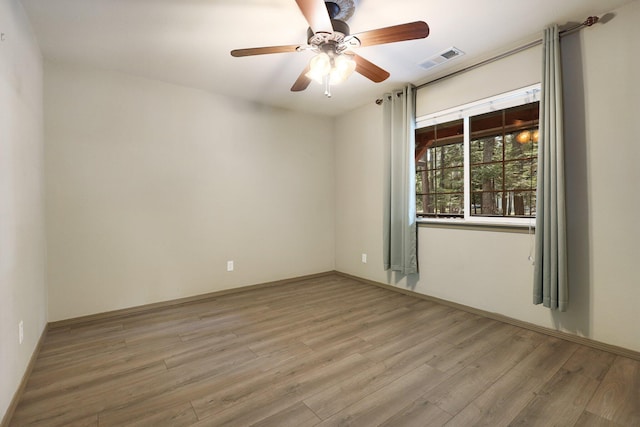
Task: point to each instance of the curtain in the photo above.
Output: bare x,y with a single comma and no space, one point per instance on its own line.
550,270
400,229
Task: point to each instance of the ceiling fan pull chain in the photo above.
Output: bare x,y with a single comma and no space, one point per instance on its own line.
327,85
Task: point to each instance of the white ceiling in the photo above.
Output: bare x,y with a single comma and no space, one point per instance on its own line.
187,42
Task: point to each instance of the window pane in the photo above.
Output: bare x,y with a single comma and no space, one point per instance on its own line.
452,155
503,156
486,149
440,169
487,203
522,143
451,180
522,116
486,177
449,204
519,175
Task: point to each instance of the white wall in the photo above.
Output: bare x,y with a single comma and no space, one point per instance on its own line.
22,257
152,187
488,269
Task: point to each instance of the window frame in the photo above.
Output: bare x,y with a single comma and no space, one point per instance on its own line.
502,101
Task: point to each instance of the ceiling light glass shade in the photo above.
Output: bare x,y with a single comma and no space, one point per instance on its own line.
337,69
319,66
344,66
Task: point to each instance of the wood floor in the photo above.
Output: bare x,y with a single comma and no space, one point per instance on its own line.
328,351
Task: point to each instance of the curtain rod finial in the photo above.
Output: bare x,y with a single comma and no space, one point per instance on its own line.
591,20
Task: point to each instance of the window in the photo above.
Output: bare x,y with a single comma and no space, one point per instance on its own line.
478,162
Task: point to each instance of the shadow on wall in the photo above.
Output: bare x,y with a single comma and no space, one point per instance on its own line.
577,318
410,281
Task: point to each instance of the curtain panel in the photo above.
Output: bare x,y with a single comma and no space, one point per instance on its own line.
400,230
550,270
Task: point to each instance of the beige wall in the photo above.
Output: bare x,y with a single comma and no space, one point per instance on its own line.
152,187
22,257
603,109
490,270
515,71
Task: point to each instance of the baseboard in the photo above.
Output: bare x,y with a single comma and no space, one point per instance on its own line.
23,383
125,312
621,351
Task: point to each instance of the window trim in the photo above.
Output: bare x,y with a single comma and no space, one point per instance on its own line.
502,101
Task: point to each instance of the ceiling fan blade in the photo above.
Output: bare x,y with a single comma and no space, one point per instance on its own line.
315,12
396,33
264,50
370,70
302,82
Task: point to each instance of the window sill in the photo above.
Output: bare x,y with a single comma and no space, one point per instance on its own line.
493,225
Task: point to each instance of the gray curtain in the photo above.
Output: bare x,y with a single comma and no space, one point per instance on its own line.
550,271
400,230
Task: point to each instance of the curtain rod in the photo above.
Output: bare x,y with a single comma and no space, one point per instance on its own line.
587,23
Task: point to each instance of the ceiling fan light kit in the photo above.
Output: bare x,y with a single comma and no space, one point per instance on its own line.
330,70
337,68
329,37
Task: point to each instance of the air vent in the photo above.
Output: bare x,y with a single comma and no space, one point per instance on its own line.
442,57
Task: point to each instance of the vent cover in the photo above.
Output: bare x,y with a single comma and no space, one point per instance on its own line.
442,57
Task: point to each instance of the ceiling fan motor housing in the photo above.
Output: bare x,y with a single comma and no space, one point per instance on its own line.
340,31
341,9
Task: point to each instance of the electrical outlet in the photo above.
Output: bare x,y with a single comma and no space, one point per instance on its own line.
229,265
21,331
364,258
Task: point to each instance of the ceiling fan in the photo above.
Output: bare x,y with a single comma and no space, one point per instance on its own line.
329,37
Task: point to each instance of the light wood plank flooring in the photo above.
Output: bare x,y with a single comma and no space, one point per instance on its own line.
327,351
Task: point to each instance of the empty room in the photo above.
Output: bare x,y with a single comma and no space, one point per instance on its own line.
319,213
